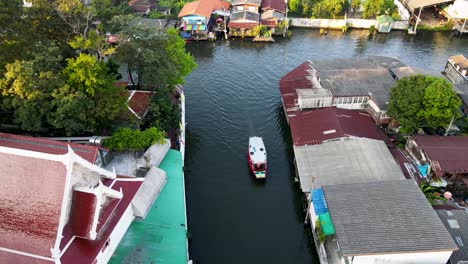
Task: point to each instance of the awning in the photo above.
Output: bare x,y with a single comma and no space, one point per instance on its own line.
415,4
326,224
320,206
195,27
188,27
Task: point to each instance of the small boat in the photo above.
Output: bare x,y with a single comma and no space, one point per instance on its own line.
257,157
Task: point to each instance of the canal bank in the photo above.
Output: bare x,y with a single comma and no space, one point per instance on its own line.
233,94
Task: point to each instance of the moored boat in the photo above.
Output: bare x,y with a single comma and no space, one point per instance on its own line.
257,157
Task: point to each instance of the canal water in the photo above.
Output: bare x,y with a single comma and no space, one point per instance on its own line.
233,94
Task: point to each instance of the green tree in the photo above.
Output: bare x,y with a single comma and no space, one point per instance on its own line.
440,104
89,100
423,101
373,8
27,88
295,7
328,8
355,5
126,139
157,56
162,113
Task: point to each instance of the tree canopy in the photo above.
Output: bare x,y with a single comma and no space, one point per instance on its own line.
423,101
373,8
53,78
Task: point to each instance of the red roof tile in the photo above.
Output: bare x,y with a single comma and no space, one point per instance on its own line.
49,146
315,126
449,152
203,8
31,193
139,102
85,251
278,5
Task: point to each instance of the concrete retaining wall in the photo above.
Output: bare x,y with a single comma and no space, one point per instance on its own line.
340,23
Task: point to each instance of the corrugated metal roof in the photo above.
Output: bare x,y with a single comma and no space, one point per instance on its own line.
460,235
278,5
203,7
49,146
449,152
246,2
385,217
355,160
415,4
315,126
244,16
31,193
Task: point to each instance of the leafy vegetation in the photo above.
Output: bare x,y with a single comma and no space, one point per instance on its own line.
317,8
163,114
432,193
448,26
318,230
126,139
53,78
373,8
261,31
423,101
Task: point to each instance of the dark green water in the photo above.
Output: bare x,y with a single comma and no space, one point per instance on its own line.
233,94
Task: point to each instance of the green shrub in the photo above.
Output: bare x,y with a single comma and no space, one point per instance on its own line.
126,139
318,230
289,34
372,29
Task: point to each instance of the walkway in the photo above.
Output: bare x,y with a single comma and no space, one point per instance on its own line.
161,237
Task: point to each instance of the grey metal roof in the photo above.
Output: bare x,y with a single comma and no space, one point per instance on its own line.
415,4
458,228
245,16
354,160
354,77
385,217
246,2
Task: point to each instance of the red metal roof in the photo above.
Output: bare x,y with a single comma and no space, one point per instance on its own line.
242,25
49,146
139,102
315,126
203,8
268,22
449,152
31,193
293,80
278,5
85,251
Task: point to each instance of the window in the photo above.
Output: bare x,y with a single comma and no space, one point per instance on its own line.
240,8
355,100
459,241
453,223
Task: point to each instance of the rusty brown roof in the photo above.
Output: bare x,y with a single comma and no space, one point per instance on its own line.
449,152
278,5
203,8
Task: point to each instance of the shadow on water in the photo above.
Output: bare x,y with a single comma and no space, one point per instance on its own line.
300,200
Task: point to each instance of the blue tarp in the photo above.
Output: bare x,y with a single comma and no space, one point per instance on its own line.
320,206
423,170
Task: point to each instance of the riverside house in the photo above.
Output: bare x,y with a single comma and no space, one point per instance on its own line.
378,222
353,83
195,17
272,13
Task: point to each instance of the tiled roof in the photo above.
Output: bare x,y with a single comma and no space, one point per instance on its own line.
314,126
385,218
270,23
203,7
456,222
278,5
139,5
87,250
138,102
449,152
49,146
31,193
